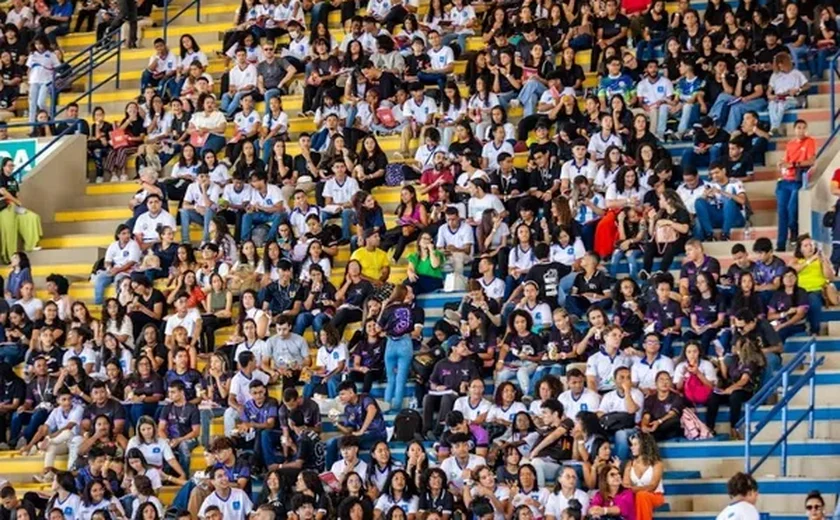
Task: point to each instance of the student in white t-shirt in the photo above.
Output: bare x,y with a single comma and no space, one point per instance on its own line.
577,398
744,492
481,199
455,240
338,198
266,206
253,344
330,362
348,446
120,258
459,466
419,111
232,502
147,226
243,80
199,206
491,150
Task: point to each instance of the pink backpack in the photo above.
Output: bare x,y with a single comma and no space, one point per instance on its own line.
693,427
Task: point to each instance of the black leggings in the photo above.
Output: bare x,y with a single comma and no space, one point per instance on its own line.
395,238
209,325
367,379
345,317
736,402
443,404
669,429
668,253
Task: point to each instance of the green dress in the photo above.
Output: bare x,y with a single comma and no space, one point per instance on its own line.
26,224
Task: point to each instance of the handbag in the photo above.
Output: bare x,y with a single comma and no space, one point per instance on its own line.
198,140
696,391
664,235
616,421
119,138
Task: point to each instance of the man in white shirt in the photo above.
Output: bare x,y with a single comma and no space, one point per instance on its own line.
120,258
62,425
232,502
148,225
744,492
459,466
419,112
480,200
578,165
348,446
266,206
455,240
302,210
442,62
239,392
643,373
189,319
338,197
235,198
691,189
199,206
722,205
162,71
493,148
624,399
242,80
655,94
578,398
601,366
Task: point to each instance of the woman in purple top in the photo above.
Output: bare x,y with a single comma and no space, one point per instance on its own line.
397,323
369,358
612,499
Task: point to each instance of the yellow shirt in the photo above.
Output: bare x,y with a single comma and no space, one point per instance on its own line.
811,278
372,261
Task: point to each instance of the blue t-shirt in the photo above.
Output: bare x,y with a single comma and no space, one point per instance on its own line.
355,415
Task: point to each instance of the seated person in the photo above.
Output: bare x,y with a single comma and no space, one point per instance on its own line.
450,378
645,370
788,307
621,409
591,287
180,423
555,446
362,418
348,446
602,365
663,314
662,410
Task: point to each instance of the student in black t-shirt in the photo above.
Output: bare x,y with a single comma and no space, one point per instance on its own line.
674,216
179,423
591,287
788,306
448,381
706,311
709,144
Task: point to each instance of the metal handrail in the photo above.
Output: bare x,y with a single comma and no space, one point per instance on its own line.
70,129
169,19
833,77
752,430
83,65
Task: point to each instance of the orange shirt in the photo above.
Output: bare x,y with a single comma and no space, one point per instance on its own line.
798,151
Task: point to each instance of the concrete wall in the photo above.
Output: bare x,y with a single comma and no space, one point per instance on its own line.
59,176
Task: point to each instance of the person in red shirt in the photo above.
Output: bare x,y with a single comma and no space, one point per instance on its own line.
800,153
433,178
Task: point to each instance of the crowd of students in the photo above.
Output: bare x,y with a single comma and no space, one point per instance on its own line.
545,391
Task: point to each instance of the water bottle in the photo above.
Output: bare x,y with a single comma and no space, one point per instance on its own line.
412,403
748,231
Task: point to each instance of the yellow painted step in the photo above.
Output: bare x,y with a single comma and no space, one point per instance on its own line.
46,270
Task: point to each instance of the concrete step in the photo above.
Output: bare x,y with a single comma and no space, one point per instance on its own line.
776,495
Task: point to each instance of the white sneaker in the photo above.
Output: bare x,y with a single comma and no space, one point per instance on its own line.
123,178
115,178
99,180
514,103
20,443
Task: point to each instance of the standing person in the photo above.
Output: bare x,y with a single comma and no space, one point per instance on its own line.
397,323
42,61
800,153
127,12
744,492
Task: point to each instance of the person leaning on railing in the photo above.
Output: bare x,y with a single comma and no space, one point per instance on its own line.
14,218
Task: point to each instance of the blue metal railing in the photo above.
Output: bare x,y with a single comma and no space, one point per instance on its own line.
169,19
83,65
833,82
753,428
68,130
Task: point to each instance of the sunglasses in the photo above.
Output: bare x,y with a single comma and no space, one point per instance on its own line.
813,507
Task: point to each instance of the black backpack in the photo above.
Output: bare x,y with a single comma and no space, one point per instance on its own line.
407,425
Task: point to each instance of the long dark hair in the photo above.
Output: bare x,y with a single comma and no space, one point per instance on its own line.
446,101
403,206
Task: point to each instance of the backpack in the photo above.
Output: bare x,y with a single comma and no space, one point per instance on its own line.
394,175
693,428
696,391
407,425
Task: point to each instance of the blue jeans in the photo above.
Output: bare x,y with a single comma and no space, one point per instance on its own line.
31,419
565,287
777,111
512,283
645,48
663,112
347,216
791,331
398,355
461,38
183,452
578,305
774,363
189,216
366,442
798,54
582,42
433,78
269,443
307,319
12,354
818,60
331,384
709,217
269,94
135,411
230,103
632,255
787,206
38,93
737,111
251,220
815,306
100,282
505,97
689,115
529,95
214,142
207,417
621,440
